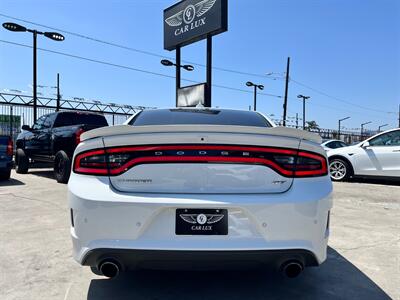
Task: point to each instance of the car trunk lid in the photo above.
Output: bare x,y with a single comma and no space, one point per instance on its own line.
213,160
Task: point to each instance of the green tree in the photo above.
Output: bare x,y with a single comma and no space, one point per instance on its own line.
312,125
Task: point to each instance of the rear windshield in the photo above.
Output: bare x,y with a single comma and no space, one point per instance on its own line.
199,117
69,119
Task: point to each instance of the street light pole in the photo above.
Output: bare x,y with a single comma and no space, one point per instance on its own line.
34,75
362,128
255,98
340,126
177,64
379,127
256,86
304,108
51,35
58,93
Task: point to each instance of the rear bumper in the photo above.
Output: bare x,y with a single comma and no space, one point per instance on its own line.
198,260
110,223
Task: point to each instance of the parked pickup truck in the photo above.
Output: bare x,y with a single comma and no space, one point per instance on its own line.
53,138
6,154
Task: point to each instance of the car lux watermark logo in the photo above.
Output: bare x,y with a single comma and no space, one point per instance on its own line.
188,16
202,221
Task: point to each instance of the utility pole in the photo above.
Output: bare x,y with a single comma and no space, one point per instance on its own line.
58,93
286,91
297,120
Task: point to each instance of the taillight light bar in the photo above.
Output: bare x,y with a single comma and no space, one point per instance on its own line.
115,161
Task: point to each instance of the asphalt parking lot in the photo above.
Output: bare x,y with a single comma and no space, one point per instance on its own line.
36,263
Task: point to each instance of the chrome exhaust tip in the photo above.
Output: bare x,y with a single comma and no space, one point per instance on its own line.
292,268
109,269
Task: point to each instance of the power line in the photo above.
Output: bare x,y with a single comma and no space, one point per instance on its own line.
135,49
132,68
170,76
339,109
190,62
338,99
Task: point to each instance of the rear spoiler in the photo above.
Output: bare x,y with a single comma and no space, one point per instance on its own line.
128,129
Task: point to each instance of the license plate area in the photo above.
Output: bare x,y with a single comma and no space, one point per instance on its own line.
199,221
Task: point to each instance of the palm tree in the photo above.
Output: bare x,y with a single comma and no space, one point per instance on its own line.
312,125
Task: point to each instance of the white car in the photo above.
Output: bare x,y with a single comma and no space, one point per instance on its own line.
199,188
376,157
333,144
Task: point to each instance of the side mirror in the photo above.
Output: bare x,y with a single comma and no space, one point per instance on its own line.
26,127
365,145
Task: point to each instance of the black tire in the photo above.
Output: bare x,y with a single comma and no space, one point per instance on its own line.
62,167
339,169
6,175
21,162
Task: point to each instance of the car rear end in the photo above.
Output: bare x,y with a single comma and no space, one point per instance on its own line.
6,154
199,196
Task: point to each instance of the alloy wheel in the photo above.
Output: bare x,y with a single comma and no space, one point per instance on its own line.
337,170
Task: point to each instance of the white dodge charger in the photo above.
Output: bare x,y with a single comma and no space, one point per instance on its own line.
199,188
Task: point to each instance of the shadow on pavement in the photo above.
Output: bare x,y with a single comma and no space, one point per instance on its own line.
11,182
43,173
337,278
376,181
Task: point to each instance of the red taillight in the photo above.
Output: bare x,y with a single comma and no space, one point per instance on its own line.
310,164
115,161
91,162
78,134
10,147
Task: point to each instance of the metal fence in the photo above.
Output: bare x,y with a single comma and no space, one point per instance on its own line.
17,110
349,137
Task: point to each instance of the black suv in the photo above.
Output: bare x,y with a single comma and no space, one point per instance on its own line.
53,138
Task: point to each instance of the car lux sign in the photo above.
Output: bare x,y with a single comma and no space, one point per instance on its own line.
192,20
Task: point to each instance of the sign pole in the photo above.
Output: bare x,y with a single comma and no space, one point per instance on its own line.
178,72
209,71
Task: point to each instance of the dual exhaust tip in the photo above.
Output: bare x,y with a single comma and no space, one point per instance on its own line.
109,268
291,268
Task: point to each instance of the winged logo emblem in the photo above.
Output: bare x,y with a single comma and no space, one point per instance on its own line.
193,218
188,14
